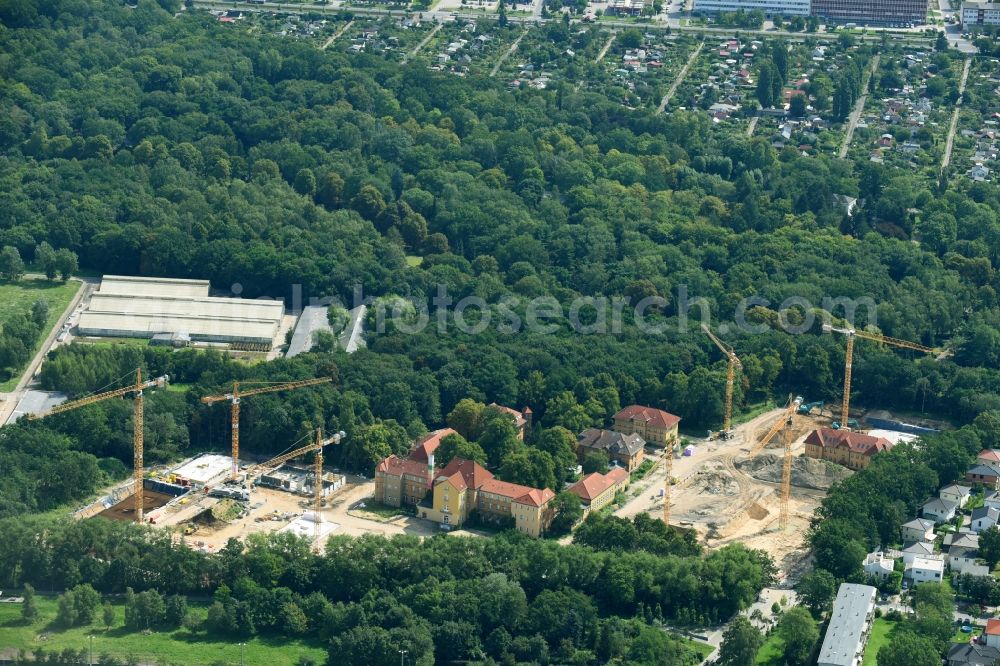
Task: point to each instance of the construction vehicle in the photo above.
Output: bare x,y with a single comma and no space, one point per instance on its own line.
852,424
807,407
851,333
234,401
135,390
734,363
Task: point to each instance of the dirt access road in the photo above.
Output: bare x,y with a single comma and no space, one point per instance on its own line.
725,504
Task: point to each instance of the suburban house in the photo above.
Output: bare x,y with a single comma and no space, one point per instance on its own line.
917,549
992,499
655,426
522,419
463,486
878,565
918,529
625,449
972,654
925,570
989,456
984,474
849,627
961,558
596,490
853,450
984,518
401,481
992,633
940,510
955,493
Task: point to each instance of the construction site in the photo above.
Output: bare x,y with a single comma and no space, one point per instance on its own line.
753,483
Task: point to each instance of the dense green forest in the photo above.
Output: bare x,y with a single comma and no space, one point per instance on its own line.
172,146
149,143
510,598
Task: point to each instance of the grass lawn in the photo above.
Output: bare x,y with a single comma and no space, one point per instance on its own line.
412,260
177,647
18,297
881,633
702,649
770,651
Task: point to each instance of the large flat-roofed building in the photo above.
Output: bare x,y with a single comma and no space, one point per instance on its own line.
139,307
979,14
785,7
850,624
876,11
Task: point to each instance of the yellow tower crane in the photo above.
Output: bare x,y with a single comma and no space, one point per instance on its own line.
234,401
734,365
851,333
137,423
314,446
668,465
782,423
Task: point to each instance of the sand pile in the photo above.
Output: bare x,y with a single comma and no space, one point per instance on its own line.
806,472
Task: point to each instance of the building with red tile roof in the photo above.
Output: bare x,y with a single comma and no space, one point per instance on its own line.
990,456
402,481
597,490
656,426
427,445
522,419
853,450
464,486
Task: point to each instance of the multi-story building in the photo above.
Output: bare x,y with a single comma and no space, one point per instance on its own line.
784,7
401,481
626,450
853,450
877,11
655,426
850,625
522,419
463,486
597,490
979,14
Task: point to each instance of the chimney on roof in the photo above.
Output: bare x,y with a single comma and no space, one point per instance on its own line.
430,470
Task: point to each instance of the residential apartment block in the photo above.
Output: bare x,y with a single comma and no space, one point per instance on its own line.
979,14
876,11
785,7
850,625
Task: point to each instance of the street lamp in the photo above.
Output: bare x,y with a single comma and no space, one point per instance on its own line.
242,645
90,658
402,655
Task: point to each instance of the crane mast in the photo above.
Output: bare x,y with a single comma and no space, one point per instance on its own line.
234,399
138,412
733,365
851,333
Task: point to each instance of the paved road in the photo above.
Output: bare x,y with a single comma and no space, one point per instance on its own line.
859,108
680,78
752,126
11,399
671,21
949,142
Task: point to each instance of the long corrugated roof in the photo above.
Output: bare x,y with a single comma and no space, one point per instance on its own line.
848,623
